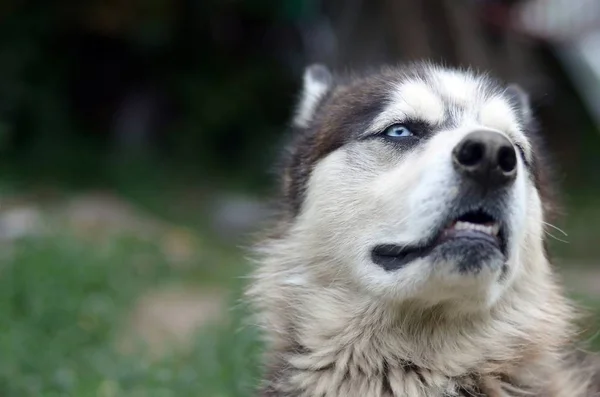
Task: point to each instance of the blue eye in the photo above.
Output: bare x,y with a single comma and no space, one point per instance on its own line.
397,131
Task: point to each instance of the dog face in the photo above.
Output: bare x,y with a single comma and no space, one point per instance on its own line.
415,184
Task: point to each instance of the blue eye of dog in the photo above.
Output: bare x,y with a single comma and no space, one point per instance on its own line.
397,131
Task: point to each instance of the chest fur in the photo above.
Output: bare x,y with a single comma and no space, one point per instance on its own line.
385,379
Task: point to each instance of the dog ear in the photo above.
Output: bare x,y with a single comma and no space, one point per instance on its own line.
520,101
318,81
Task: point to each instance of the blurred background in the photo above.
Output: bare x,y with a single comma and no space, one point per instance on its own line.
136,145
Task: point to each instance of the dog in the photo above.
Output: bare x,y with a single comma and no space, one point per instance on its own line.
408,257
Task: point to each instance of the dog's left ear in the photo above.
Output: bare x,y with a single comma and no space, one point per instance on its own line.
317,82
520,101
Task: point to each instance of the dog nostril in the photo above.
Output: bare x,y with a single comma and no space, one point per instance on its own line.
486,158
507,159
470,153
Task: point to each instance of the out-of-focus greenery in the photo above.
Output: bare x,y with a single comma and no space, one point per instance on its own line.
228,89
63,303
221,65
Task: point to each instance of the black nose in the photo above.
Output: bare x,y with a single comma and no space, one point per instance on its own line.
487,157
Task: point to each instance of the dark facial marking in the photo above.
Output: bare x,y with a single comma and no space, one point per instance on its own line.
343,116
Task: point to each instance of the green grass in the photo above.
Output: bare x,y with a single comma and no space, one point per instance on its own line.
63,303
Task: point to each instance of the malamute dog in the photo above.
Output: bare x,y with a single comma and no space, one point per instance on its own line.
409,256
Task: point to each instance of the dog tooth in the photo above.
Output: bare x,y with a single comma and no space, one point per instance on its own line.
491,229
495,229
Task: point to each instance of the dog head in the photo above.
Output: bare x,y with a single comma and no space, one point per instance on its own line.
417,184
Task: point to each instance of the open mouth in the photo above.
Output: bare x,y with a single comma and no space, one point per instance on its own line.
473,225
477,226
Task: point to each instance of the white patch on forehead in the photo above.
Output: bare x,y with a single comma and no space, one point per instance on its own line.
412,99
459,87
497,113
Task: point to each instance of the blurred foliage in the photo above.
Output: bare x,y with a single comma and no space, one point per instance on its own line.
216,62
31,75
221,70
63,303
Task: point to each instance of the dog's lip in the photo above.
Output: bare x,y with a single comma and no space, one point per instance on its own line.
491,230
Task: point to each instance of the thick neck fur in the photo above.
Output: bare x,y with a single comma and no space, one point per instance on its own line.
326,338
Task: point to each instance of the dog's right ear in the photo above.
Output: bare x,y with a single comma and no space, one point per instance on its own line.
520,101
318,81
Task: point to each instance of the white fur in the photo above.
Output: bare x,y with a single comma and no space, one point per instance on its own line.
460,86
350,211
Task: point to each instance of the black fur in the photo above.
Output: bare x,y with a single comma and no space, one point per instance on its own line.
342,115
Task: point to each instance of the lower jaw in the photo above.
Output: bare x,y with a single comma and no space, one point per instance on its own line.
470,257
467,255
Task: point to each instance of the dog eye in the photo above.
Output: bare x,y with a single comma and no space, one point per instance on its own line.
397,131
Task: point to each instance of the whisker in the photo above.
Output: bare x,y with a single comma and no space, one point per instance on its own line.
593,337
555,227
556,238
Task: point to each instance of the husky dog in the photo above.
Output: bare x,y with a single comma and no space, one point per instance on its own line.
409,257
